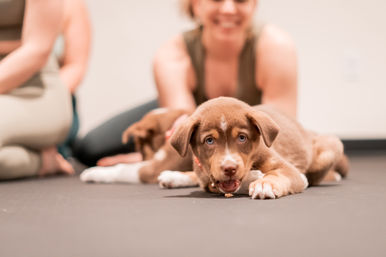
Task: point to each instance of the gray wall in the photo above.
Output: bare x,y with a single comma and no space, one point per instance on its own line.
341,49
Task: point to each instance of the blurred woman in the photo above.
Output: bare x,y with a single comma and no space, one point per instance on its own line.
35,104
225,55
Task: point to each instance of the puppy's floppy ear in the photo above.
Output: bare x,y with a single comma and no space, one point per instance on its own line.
137,132
181,137
266,126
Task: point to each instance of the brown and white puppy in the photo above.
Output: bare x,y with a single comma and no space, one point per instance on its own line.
253,150
149,132
237,149
158,154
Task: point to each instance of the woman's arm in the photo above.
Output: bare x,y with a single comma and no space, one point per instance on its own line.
8,46
276,70
173,74
77,40
41,25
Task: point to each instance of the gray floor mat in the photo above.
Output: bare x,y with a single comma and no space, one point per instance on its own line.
60,216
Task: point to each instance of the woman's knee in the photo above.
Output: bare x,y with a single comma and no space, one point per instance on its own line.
106,140
90,149
18,162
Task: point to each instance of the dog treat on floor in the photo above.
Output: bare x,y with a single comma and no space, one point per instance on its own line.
228,195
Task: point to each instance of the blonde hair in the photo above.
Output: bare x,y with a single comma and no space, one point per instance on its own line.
187,8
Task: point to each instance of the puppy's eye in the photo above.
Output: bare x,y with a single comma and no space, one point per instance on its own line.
209,140
242,138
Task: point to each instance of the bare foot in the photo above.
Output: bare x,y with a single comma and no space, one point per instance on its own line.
120,158
53,162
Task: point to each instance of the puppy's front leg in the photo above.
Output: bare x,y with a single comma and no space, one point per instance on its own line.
123,173
278,182
177,179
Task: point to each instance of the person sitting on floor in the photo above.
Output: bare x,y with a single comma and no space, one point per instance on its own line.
225,55
36,106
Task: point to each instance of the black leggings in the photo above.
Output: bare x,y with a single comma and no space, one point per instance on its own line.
106,139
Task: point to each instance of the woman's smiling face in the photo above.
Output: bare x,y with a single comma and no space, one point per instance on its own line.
225,19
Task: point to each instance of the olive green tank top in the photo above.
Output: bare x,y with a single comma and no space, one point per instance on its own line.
247,89
11,19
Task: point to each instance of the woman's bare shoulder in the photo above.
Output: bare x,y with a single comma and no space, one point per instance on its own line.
173,74
173,50
273,38
172,58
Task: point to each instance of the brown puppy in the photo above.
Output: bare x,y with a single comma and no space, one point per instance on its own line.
149,132
253,150
237,149
159,155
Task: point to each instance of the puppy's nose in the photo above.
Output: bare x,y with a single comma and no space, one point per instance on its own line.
229,168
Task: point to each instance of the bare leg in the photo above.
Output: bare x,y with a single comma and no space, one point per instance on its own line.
120,158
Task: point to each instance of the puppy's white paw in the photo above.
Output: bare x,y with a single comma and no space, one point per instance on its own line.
250,177
98,174
262,190
125,173
174,179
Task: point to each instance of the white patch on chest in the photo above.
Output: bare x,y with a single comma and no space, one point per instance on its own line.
160,155
223,123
